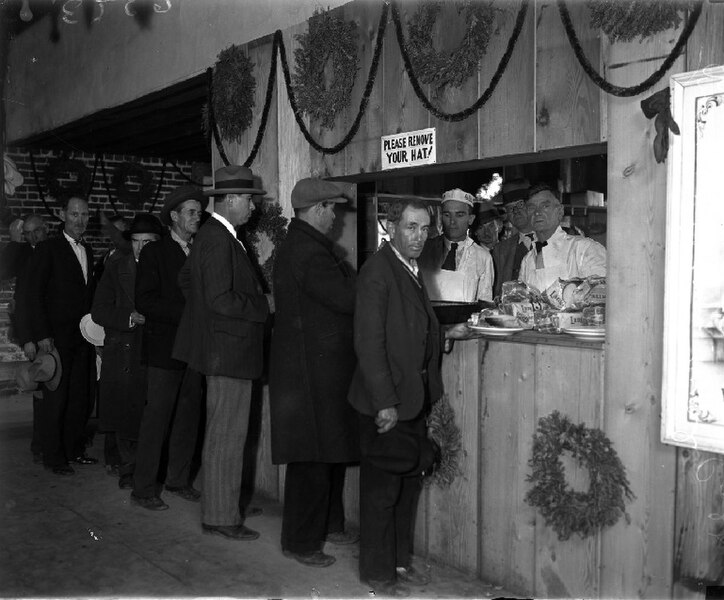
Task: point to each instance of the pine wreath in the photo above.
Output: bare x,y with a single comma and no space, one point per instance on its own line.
138,197
452,69
624,20
565,510
233,88
67,176
266,231
332,41
446,434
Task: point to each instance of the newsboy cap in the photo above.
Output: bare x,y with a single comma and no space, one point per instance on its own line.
310,191
458,195
233,179
177,197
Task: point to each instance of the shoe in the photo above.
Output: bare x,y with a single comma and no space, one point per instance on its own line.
388,589
317,558
125,482
62,470
186,492
342,538
252,511
411,576
152,503
84,459
112,470
233,532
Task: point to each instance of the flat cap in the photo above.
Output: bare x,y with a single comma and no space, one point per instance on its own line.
310,191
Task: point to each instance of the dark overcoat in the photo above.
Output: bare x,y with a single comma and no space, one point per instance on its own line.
397,338
123,377
159,299
312,352
222,327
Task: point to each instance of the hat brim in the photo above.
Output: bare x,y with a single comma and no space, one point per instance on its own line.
165,214
54,381
91,331
215,192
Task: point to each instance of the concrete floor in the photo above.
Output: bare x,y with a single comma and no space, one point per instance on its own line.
80,536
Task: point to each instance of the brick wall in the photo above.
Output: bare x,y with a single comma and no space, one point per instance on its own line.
27,198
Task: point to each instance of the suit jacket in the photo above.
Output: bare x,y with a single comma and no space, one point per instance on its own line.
397,338
21,254
57,295
123,377
222,327
507,256
160,300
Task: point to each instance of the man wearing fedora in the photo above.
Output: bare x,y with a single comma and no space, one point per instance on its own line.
221,335
59,293
313,428
173,395
123,377
453,265
398,341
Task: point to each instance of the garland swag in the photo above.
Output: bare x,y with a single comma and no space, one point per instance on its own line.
564,509
233,93
454,69
329,40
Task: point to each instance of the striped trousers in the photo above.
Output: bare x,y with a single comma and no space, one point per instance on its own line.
227,421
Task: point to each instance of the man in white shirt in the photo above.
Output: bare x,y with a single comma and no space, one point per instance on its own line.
556,254
454,267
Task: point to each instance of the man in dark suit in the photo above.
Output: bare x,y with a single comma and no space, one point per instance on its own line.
313,428
174,391
59,292
398,341
221,335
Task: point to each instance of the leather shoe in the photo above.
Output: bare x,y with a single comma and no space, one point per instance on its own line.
62,470
152,503
342,538
411,576
233,532
388,589
186,492
317,558
125,482
84,459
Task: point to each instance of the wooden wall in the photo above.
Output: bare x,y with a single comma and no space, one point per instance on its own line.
545,101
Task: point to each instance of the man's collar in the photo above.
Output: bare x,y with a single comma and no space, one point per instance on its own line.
465,243
72,240
411,264
225,222
178,239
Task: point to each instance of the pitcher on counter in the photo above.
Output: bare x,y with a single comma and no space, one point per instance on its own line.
555,253
453,266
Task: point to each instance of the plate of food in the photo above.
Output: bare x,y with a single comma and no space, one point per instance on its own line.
496,331
586,332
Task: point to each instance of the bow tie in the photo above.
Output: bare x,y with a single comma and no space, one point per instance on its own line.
539,246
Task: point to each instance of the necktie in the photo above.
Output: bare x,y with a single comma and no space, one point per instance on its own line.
538,254
449,263
539,246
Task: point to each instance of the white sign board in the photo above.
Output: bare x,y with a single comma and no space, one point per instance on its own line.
409,149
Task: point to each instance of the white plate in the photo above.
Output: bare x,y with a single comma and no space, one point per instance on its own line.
496,331
586,333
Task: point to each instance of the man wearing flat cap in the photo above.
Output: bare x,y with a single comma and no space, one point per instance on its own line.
221,335
174,390
313,428
454,267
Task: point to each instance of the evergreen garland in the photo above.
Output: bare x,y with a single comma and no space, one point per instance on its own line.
233,93
329,39
454,69
446,434
564,509
268,227
625,20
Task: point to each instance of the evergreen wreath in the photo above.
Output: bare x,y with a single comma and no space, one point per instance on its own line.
624,20
135,198
454,69
446,434
67,176
329,39
233,88
564,509
266,232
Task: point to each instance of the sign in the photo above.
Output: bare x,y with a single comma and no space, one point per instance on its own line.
409,149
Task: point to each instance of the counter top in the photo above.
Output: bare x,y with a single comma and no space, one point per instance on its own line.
551,339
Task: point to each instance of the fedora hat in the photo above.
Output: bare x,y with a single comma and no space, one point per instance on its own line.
46,368
91,331
487,211
515,190
144,223
178,196
400,452
233,179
